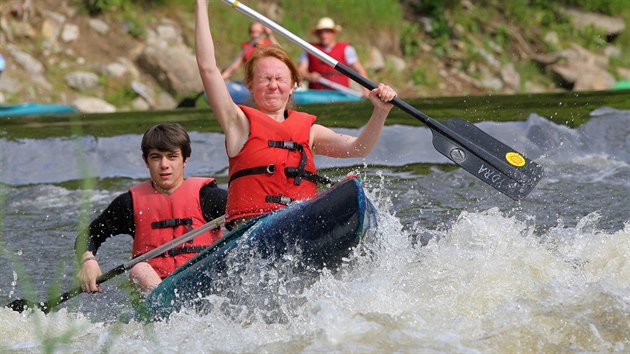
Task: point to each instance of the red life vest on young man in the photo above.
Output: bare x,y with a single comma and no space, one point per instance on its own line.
338,52
274,167
160,218
249,49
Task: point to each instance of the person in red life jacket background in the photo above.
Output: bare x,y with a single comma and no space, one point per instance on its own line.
270,148
155,212
263,37
312,68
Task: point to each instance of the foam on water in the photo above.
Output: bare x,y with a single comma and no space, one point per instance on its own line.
487,283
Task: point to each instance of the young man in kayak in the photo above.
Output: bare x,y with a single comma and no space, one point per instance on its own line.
155,212
271,148
263,37
312,68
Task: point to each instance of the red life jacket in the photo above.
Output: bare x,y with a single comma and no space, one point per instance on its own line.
274,167
250,48
315,64
160,218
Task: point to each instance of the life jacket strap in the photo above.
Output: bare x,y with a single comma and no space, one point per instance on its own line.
270,169
292,145
183,250
289,145
293,172
172,223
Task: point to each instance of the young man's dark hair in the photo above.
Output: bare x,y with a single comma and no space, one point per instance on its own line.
166,137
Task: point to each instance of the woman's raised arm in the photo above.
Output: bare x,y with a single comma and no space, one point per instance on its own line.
231,118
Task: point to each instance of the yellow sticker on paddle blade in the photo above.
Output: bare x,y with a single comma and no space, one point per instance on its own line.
515,159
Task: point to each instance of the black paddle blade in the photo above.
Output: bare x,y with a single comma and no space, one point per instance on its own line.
20,305
485,157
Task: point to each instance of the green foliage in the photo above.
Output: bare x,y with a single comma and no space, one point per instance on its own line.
441,30
608,7
98,7
410,39
129,12
533,73
591,37
436,10
424,76
118,93
501,36
363,21
135,26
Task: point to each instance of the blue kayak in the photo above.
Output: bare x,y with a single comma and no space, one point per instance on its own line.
33,108
241,95
316,233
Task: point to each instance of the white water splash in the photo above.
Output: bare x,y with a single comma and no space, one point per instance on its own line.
485,284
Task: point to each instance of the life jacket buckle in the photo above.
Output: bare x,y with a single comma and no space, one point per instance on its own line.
279,199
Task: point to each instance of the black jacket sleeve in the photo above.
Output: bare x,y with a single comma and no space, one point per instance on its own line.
116,219
213,201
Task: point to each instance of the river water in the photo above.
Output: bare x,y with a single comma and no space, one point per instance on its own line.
455,266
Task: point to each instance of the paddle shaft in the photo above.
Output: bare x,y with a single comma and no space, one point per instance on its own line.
335,86
21,304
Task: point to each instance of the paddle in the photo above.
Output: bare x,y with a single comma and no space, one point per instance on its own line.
338,87
192,101
20,305
477,152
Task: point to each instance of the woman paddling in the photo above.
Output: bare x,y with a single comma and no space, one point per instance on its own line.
271,148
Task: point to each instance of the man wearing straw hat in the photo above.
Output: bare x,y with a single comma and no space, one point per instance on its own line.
312,68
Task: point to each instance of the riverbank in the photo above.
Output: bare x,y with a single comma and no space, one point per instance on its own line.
138,56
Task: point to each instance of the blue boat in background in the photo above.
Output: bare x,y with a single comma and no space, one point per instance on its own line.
35,109
241,95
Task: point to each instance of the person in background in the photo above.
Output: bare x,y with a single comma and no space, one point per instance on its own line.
263,37
312,68
155,212
270,148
